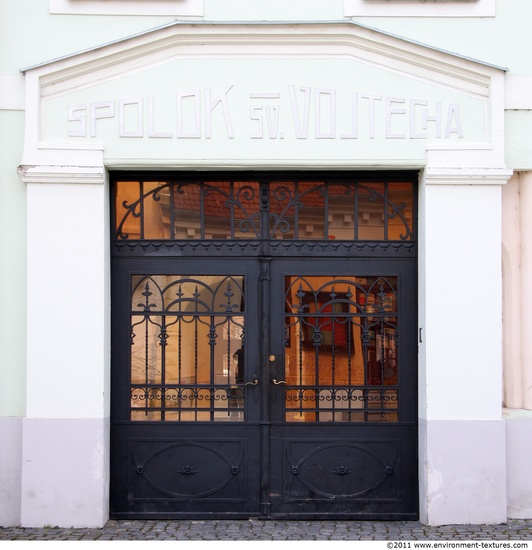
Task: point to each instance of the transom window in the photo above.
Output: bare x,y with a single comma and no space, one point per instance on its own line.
226,209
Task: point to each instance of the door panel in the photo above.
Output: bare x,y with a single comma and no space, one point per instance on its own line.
343,435
357,473
185,431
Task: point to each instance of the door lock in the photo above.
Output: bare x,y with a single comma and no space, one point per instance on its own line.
271,358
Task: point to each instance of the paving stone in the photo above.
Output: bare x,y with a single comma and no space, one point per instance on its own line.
255,529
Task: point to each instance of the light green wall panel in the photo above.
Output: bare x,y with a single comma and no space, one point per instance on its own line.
518,126
12,267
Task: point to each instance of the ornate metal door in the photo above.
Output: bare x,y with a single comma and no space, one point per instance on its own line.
343,393
264,347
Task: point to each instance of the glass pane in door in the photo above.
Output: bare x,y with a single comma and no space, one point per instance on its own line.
341,360
187,348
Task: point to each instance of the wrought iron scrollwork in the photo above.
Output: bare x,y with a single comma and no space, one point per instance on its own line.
185,332
342,335
177,201
199,209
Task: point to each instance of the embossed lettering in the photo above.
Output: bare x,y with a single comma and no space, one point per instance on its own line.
300,122
454,123
99,111
210,105
353,134
390,110
196,115
320,115
139,130
371,112
78,113
152,133
200,112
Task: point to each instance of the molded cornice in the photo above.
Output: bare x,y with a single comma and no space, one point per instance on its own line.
62,174
252,40
467,176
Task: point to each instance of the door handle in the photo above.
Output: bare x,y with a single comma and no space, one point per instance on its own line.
254,382
278,382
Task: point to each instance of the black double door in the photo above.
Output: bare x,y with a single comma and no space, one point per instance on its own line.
264,387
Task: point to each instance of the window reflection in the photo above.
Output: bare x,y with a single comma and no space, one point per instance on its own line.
187,333
341,349
237,209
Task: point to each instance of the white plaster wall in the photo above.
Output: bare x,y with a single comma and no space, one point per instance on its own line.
12,307
463,330
461,433
10,470
518,453
466,473
68,309
511,265
65,481
65,442
422,355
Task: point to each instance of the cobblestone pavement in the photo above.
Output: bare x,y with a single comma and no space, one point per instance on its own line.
254,529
